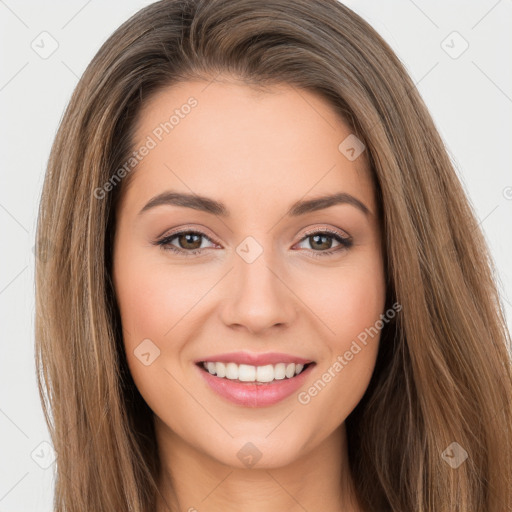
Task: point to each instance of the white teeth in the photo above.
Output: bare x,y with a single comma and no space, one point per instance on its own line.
246,373
249,373
265,373
231,371
220,369
290,370
279,371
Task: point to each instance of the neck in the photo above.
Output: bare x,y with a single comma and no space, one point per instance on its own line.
193,481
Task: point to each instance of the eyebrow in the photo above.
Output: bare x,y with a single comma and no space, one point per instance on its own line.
214,207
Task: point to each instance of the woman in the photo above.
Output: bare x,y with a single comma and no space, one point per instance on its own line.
332,339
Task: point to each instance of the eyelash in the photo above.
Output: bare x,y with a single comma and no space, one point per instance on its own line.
345,242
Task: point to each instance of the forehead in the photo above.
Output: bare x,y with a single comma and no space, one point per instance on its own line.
227,139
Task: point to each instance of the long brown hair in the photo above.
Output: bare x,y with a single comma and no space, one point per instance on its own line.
443,372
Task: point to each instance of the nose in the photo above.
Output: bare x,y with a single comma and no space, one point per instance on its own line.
259,297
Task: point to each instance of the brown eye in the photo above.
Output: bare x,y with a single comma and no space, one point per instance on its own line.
188,242
321,242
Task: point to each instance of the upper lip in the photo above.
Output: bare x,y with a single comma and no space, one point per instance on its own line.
255,359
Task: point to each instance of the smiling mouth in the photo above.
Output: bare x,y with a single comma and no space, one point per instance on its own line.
249,374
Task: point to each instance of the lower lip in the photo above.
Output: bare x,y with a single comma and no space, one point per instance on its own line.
250,394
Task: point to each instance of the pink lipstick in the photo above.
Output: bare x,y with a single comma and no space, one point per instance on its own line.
254,380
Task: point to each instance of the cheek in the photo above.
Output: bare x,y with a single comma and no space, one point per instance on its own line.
150,303
348,301
349,304
155,302
152,298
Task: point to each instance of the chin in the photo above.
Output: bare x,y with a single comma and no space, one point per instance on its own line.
256,451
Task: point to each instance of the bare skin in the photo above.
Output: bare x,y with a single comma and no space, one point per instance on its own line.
257,153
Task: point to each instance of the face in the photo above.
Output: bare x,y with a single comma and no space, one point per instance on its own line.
246,271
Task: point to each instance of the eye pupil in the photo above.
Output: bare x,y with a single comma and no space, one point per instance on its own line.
324,245
187,237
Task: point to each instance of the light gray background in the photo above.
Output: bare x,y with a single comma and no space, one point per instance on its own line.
469,97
